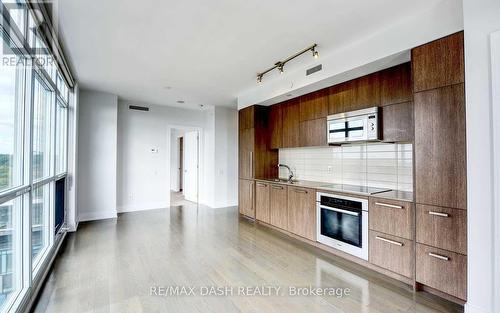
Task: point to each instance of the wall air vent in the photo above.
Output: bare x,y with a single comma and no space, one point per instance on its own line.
315,69
138,108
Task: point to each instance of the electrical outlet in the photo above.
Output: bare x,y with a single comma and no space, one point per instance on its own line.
329,168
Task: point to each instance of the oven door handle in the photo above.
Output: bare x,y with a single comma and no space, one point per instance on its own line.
339,210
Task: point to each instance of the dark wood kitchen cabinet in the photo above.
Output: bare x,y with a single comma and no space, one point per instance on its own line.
262,212
313,133
278,206
397,122
391,252
314,105
440,147
291,123
439,63
357,94
276,126
302,212
256,158
395,85
246,198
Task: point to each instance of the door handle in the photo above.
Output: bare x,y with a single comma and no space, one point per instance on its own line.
439,214
438,256
392,242
389,205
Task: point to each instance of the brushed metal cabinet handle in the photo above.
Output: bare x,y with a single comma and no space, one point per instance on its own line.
389,241
277,187
251,163
389,205
261,185
300,190
439,214
438,256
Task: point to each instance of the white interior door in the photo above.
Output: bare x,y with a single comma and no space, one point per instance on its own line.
190,175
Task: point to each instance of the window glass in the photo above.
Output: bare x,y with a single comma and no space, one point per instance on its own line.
42,138
10,252
40,212
11,121
61,135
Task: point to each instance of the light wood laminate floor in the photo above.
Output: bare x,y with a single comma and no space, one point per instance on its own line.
110,266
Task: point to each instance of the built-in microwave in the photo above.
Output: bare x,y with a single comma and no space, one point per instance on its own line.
361,125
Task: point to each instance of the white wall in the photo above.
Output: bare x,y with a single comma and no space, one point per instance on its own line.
226,157
380,50
143,177
481,18
97,135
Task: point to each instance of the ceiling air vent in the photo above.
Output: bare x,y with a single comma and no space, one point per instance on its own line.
315,69
138,108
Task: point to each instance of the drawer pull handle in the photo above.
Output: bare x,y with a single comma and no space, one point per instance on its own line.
389,205
439,214
438,256
300,191
390,241
277,187
261,185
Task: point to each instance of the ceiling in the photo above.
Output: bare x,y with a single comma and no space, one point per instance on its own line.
206,52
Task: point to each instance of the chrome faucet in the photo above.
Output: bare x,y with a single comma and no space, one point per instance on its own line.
290,173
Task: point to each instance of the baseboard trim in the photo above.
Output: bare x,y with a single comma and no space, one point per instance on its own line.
142,207
93,216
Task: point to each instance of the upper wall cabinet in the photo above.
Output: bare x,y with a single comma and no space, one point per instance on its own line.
291,120
314,105
246,117
357,94
276,126
395,84
439,63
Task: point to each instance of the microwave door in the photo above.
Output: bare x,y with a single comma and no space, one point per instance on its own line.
356,129
337,131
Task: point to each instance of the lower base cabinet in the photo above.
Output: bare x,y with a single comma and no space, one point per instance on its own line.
442,270
262,203
246,198
302,212
391,252
278,206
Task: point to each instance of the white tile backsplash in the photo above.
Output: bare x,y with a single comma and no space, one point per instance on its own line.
383,165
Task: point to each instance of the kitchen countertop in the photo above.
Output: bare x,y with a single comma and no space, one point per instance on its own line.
390,194
396,195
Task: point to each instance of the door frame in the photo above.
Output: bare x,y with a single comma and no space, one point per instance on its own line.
200,162
181,162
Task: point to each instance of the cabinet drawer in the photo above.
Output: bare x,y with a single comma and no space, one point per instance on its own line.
442,227
443,270
391,217
391,252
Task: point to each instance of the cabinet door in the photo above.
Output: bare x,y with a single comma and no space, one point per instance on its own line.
246,153
443,270
395,84
314,105
391,252
246,117
262,202
439,63
302,212
391,217
440,160
337,97
276,126
291,114
278,206
397,122
246,198
364,92
313,133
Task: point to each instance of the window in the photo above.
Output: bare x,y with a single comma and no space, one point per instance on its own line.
11,119
10,250
42,113
40,214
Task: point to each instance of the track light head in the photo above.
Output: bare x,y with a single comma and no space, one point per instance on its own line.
259,78
281,67
315,54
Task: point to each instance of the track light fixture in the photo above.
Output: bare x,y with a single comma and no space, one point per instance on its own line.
280,65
